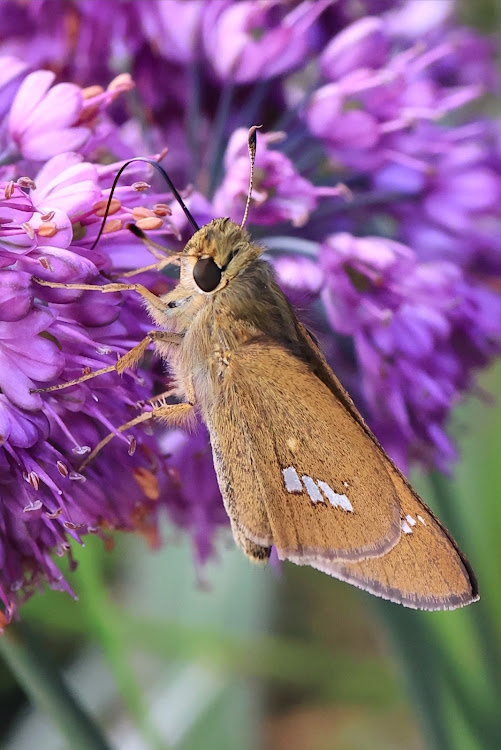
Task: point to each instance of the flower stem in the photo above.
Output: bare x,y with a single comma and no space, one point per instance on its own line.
40,679
222,113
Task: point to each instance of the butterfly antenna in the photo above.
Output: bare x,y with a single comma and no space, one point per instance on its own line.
166,177
251,145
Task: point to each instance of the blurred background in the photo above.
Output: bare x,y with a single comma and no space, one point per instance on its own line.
239,657
163,654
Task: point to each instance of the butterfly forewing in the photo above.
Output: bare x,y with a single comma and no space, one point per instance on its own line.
325,494
317,485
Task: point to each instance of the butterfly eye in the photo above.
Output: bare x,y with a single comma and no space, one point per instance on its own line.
207,274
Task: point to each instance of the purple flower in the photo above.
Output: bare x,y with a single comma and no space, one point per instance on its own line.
248,41
376,193
42,119
418,330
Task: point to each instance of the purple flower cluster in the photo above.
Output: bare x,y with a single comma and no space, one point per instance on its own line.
377,191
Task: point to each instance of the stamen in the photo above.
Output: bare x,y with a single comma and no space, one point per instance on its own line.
45,263
162,209
112,226
29,230
92,91
80,450
141,212
140,186
33,506
54,515
26,182
62,469
99,208
150,222
48,229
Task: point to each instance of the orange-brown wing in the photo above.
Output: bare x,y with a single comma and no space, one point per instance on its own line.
298,469
425,570
294,468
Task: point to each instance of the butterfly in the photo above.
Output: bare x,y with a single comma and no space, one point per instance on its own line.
297,466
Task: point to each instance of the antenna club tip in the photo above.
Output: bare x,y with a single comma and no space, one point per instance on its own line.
251,138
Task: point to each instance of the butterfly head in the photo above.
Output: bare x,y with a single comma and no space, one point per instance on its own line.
217,253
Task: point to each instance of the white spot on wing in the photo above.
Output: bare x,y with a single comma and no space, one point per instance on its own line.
420,518
345,484
406,528
291,479
292,444
410,520
334,498
312,489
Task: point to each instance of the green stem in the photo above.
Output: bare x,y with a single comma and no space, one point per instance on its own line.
38,676
217,144
104,621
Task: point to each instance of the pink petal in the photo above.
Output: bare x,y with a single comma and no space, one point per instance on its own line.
58,109
38,358
38,320
16,386
30,94
45,146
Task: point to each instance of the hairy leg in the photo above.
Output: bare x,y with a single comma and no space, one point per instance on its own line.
174,414
128,360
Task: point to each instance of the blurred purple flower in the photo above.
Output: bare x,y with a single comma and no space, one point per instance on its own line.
42,119
248,41
402,255
418,330
279,192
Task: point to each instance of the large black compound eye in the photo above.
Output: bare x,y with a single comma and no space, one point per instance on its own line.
207,274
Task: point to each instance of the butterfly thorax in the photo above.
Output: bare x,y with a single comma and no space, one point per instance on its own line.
247,304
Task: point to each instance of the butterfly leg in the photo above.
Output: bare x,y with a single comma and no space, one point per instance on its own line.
128,360
115,286
159,266
173,414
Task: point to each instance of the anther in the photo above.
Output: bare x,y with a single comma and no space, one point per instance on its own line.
62,469
29,230
45,263
91,91
26,182
49,229
80,450
150,222
99,208
112,226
